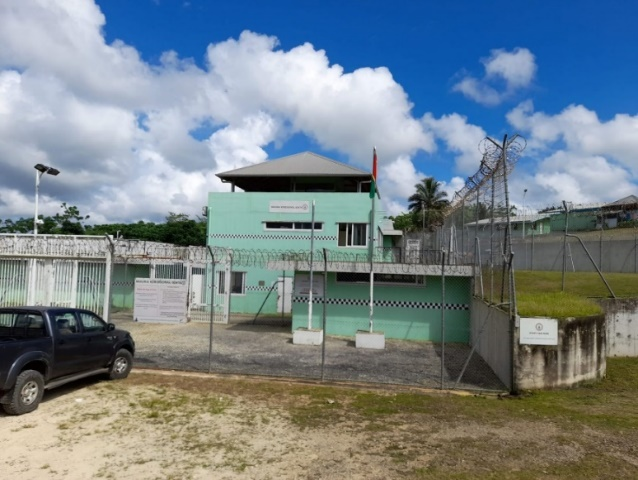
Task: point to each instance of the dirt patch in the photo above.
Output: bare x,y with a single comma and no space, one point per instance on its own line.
181,426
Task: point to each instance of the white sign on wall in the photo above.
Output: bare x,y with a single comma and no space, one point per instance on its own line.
288,206
160,300
302,284
538,331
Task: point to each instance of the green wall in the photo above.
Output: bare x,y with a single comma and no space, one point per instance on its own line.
123,283
236,220
577,221
401,312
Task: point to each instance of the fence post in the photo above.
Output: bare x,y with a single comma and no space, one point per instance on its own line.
442,318
323,311
108,274
212,309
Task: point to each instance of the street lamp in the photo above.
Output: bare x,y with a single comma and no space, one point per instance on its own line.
524,212
41,170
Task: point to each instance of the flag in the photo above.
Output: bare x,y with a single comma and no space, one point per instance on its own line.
373,183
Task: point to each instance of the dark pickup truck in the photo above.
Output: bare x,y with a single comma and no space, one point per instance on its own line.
45,347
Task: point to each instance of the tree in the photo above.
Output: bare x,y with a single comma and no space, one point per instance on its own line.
406,222
428,203
69,222
180,230
23,225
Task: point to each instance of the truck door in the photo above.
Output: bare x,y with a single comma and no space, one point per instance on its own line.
99,342
69,344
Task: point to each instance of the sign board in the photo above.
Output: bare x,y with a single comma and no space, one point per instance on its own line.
302,284
160,300
288,206
538,331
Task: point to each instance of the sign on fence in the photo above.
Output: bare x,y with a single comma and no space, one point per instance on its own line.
160,300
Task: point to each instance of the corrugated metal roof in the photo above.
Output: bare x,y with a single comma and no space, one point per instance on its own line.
306,164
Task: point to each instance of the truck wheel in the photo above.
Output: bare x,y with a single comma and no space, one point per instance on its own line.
26,394
122,365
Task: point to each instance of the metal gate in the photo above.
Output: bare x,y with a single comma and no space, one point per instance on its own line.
209,289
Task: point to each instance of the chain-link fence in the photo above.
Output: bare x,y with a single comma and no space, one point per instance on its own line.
423,311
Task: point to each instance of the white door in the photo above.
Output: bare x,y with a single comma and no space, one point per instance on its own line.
284,294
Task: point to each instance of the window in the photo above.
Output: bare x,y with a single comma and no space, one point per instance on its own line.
237,283
66,323
303,226
92,323
387,278
14,324
353,234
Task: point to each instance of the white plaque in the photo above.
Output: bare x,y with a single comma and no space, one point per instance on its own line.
288,206
302,284
538,331
160,300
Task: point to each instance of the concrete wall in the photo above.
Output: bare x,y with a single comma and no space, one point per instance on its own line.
491,336
579,356
622,327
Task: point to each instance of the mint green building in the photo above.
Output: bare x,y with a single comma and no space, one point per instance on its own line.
306,203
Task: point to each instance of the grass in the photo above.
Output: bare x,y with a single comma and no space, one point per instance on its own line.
574,434
541,294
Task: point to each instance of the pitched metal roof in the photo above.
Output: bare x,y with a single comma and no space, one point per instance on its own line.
628,200
306,164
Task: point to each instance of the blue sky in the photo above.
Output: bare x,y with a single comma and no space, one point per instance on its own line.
139,103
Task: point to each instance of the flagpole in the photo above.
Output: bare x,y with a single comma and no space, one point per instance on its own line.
373,188
312,247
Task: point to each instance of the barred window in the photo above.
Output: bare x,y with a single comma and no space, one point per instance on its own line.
387,278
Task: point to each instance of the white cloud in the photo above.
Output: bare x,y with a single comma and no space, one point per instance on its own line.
122,130
460,138
578,157
579,130
396,183
517,68
505,73
135,140
349,112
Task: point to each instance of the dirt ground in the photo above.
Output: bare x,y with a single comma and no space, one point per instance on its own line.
168,425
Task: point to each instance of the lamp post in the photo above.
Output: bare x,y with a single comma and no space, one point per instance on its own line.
40,170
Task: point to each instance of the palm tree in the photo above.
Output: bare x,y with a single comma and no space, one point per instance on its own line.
428,203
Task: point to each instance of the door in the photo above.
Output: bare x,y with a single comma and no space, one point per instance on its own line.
98,341
284,294
70,345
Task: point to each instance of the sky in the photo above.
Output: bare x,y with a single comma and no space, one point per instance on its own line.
140,103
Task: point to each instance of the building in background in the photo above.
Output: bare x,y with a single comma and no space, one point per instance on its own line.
268,229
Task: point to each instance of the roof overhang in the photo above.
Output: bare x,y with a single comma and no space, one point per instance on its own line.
380,267
387,233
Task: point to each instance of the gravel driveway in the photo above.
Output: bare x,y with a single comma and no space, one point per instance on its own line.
267,349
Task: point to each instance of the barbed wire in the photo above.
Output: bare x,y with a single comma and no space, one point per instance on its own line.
491,167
